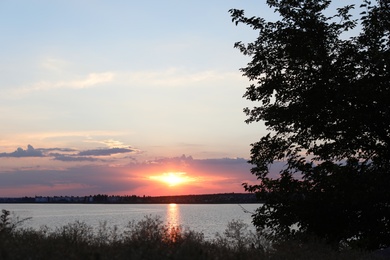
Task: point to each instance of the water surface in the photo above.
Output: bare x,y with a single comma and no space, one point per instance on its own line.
206,218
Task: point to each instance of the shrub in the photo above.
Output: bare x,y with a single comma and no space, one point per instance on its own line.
150,238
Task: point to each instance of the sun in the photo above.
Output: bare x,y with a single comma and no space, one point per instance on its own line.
172,178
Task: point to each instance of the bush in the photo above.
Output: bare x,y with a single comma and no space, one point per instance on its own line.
150,238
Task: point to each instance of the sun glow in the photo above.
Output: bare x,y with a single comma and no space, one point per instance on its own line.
172,178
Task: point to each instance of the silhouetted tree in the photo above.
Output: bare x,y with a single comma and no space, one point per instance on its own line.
324,96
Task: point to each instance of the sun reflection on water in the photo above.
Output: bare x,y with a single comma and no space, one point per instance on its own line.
173,215
173,219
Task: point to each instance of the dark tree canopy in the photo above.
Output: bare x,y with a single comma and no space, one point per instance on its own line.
325,99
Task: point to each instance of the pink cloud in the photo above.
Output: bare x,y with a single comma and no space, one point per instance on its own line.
209,176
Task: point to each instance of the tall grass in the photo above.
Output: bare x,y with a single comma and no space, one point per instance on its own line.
150,238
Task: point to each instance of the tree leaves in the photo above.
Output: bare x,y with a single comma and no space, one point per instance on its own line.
325,100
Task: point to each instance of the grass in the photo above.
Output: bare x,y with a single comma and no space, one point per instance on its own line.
150,238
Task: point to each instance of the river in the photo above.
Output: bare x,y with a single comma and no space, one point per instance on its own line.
206,218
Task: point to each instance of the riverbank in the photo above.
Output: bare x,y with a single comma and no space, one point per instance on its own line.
133,199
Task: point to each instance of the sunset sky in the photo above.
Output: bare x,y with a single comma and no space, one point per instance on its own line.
123,97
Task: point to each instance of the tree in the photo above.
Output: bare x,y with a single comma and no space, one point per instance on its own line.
325,100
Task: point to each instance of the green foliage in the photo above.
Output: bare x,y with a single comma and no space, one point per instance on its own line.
324,97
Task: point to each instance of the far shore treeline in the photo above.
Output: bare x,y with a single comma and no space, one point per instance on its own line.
133,199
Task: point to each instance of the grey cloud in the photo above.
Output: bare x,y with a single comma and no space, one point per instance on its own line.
213,161
182,158
97,178
56,149
76,181
105,152
20,152
67,154
237,168
70,158
225,161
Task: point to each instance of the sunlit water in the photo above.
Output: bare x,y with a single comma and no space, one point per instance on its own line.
206,218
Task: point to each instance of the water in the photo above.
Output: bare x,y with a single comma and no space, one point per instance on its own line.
206,218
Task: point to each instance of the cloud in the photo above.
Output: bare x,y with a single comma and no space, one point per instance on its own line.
219,171
174,77
213,162
225,161
165,160
30,152
170,77
91,80
133,177
110,143
72,155
54,65
72,158
113,143
105,152
75,181
56,149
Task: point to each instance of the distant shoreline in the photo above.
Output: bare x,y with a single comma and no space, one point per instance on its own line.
220,198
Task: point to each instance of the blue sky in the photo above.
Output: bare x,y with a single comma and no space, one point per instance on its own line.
154,73
119,86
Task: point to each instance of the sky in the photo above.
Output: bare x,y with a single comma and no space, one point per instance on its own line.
124,97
